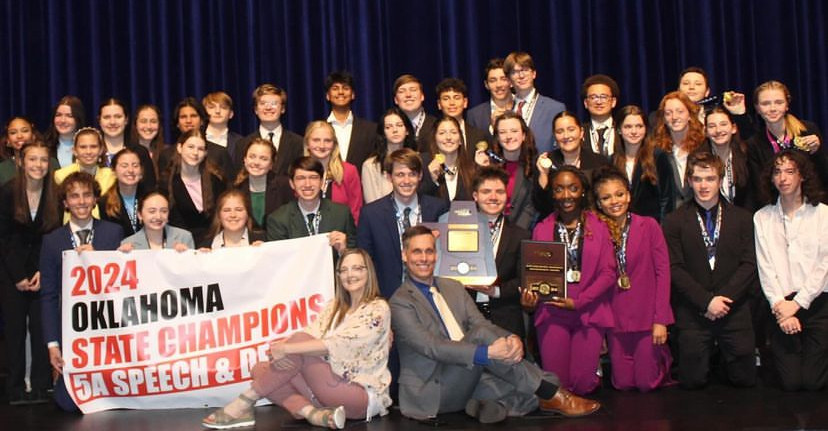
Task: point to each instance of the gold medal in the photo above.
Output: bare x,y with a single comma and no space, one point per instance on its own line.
624,281
798,143
573,276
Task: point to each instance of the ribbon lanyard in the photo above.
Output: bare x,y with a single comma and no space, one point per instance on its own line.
317,216
133,216
88,239
621,248
573,250
710,243
494,231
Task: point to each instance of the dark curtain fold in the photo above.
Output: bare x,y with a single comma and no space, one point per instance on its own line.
156,51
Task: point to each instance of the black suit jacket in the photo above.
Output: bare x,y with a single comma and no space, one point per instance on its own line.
183,212
746,193
20,253
122,217
542,198
440,190
426,134
277,193
654,200
694,284
475,135
363,140
291,147
506,311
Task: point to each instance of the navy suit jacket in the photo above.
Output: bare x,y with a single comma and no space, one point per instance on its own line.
480,116
545,110
107,236
378,234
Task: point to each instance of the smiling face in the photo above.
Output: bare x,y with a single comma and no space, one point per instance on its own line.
787,179
154,213
447,137
306,184
87,150
193,151
113,121
567,192
568,133
340,95
36,163
719,128
772,105
147,124
522,78
394,129
19,133
409,97
64,121
510,134
233,215
269,108
705,183
694,86
497,84
599,100
353,274
404,181
633,129
452,103
419,256
258,160
80,200
490,197
613,199
676,116
321,142
128,169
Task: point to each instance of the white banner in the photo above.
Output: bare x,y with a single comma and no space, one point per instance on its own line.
162,330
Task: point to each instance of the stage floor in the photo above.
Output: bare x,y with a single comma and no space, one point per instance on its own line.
718,407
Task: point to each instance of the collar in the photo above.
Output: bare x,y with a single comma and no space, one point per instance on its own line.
264,131
701,210
314,211
74,227
413,205
422,287
218,240
528,98
348,121
597,125
799,211
211,136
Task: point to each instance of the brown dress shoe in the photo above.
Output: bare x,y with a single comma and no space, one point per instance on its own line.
568,404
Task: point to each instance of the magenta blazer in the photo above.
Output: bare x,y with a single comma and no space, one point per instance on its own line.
647,301
350,191
593,293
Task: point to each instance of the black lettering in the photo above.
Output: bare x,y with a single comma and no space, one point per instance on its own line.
79,318
214,301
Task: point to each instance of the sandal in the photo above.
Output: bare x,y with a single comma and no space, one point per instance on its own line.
220,420
329,417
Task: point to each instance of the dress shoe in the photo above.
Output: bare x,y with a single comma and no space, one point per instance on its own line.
486,411
568,404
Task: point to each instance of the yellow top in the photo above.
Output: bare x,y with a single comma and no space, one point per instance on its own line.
104,176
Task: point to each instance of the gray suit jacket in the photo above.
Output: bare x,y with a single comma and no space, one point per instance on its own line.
173,234
545,110
438,375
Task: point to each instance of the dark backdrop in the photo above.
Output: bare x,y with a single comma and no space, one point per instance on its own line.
160,51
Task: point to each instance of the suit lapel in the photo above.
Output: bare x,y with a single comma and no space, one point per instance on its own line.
425,305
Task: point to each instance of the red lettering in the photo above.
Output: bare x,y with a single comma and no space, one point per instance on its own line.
251,320
112,270
78,272
94,275
166,345
129,277
78,348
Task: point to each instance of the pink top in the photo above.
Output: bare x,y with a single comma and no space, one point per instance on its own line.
194,190
349,192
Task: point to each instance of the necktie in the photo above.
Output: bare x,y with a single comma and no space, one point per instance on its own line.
520,108
454,330
270,137
311,216
83,234
406,221
601,147
708,222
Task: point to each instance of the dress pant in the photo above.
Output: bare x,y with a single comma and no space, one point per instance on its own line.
21,313
737,351
802,359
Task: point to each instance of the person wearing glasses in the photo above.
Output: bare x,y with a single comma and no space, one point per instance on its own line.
600,93
340,359
537,111
269,104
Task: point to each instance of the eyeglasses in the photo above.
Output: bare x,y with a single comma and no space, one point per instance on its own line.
269,104
358,268
599,97
519,72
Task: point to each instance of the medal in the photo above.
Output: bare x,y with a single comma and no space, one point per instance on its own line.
624,282
573,276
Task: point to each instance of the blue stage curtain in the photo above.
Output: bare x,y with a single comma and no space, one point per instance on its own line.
159,51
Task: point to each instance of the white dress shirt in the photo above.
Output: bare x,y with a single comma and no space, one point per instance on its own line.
343,132
277,134
792,252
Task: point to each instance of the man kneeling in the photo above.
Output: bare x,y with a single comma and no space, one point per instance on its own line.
453,358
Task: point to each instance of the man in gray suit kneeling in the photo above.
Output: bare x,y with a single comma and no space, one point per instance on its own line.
452,358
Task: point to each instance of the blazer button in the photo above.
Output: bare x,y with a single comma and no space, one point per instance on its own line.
437,381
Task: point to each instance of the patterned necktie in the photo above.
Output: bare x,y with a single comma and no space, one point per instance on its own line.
83,234
406,221
311,216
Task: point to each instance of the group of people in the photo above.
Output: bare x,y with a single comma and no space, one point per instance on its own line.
672,233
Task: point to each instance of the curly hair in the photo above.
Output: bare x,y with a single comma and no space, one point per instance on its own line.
695,129
811,188
600,177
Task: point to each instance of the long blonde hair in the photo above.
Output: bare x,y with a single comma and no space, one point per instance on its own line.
342,298
334,170
793,126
